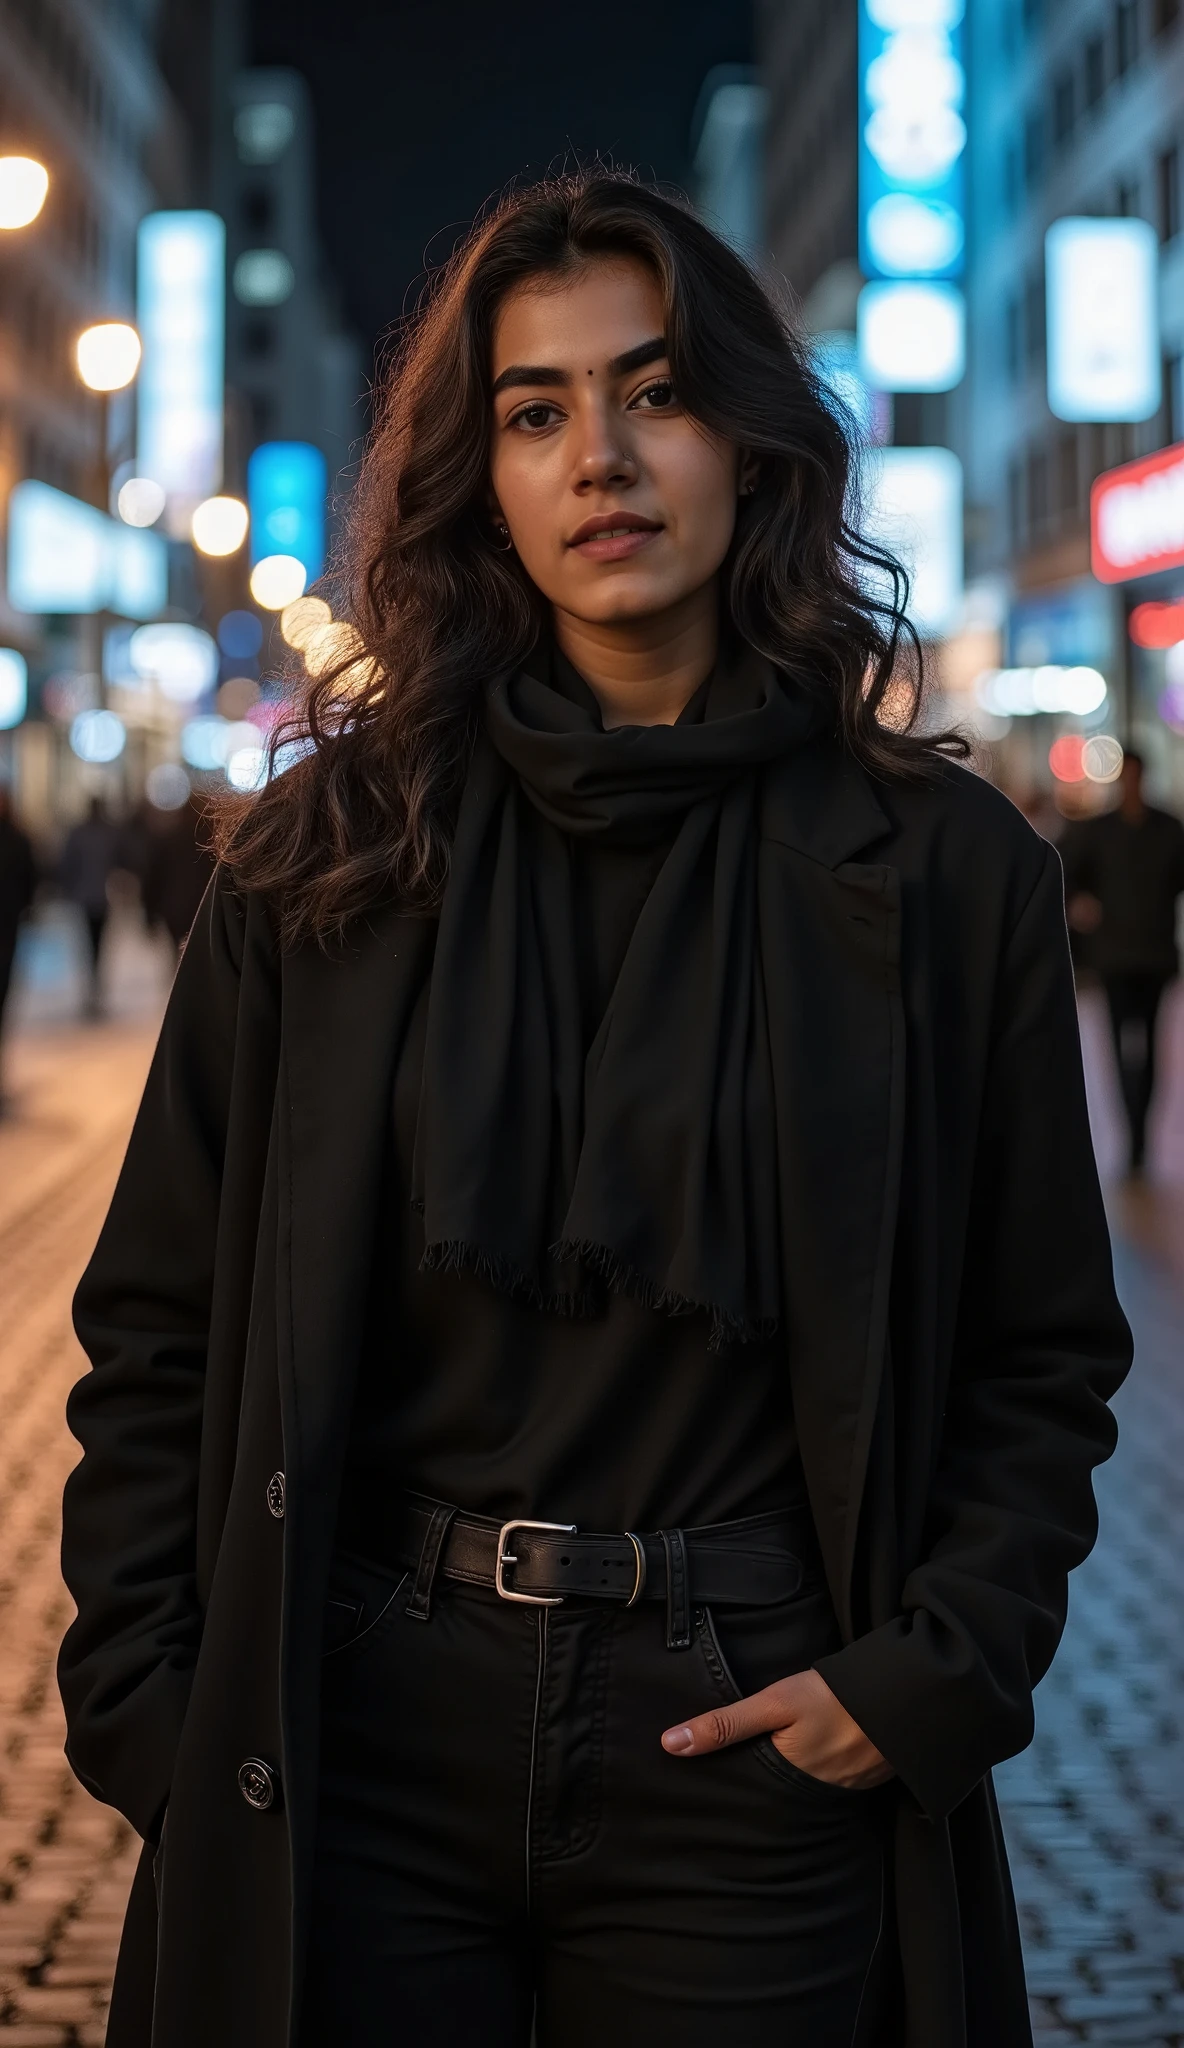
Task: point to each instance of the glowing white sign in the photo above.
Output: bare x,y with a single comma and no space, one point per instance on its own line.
914,509
912,337
180,312
64,556
1103,319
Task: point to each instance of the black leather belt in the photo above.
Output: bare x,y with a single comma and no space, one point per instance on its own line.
752,1562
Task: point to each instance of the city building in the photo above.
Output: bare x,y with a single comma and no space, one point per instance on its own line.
808,61
1077,109
293,372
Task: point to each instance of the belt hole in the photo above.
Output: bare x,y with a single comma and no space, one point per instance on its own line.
565,1560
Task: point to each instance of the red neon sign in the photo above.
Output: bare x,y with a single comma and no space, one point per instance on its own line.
1137,517
1157,625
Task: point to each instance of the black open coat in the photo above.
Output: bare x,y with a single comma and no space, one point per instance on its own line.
952,1337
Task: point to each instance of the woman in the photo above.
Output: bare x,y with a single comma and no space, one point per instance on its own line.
603,1333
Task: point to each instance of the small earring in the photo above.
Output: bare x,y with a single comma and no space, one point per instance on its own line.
505,545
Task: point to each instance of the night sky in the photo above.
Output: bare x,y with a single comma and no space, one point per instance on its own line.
427,107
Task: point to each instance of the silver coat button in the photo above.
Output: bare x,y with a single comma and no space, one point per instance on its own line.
257,1783
275,1495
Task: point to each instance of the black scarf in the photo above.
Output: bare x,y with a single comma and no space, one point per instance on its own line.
649,1166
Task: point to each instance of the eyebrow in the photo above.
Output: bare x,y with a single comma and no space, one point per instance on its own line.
540,373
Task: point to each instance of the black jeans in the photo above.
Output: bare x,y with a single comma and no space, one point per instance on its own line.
1134,1001
503,1841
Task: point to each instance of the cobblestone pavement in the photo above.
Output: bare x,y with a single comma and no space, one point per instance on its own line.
65,1862
1094,1810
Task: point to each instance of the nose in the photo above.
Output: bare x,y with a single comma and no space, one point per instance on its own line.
603,457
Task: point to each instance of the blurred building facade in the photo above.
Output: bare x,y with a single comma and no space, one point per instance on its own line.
808,56
1077,109
293,371
134,106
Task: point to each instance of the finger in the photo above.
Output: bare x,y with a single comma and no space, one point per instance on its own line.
738,1721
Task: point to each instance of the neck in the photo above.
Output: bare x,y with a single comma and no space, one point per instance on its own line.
1133,809
644,671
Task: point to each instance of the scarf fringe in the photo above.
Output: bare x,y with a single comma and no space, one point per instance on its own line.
727,1328
454,1255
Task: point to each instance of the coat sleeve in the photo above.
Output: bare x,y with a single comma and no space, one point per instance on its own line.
142,1314
945,1689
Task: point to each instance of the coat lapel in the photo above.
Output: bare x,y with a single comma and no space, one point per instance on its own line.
830,930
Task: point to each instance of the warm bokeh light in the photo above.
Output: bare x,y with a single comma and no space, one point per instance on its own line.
108,355
23,186
330,644
277,581
140,501
219,526
299,622
1065,757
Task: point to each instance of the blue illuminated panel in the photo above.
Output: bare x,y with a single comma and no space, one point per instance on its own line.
912,138
181,312
286,486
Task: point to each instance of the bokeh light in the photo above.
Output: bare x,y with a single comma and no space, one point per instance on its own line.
140,502
302,619
14,688
1101,758
246,768
167,786
1065,757
219,526
277,581
108,355
97,737
181,660
240,635
23,186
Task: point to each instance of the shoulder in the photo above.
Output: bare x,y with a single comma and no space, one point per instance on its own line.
957,824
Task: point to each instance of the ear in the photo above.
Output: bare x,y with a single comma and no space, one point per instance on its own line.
748,473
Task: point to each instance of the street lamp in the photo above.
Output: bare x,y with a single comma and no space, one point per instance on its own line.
108,356
219,526
23,186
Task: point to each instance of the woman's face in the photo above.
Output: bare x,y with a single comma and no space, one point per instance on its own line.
618,504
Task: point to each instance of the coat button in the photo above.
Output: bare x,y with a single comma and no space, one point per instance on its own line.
258,1783
275,1495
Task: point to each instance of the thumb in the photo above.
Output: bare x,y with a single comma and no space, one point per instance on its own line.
758,1714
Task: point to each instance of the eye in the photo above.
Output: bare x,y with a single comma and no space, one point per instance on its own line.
534,417
657,397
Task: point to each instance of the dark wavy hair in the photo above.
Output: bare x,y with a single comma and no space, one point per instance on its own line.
382,734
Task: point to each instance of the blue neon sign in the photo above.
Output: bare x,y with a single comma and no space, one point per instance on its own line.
66,556
912,139
286,486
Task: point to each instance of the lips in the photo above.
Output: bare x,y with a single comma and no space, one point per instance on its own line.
610,536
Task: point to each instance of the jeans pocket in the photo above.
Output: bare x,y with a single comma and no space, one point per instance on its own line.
361,1603
762,1747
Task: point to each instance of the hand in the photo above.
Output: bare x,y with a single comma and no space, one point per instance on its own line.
807,1724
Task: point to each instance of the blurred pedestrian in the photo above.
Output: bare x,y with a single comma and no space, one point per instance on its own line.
1124,872
91,854
605,1326
178,866
18,877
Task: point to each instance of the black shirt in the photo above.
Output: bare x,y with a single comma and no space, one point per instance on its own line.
1136,870
619,1420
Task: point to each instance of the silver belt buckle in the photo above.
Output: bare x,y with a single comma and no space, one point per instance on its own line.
505,1557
